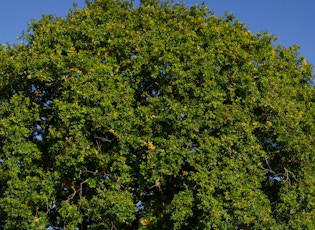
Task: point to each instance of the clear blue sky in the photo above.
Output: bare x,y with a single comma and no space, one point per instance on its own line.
291,21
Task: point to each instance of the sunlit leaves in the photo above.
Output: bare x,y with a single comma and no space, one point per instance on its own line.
154,117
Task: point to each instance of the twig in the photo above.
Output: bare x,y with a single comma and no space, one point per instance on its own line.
104,139
113,226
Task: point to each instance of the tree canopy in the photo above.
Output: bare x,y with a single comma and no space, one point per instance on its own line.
158,116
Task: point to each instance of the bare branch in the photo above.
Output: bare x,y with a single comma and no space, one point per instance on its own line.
104,139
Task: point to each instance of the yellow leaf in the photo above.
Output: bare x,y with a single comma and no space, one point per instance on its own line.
71,50
150,146
304,63
36,219
256,124
144,222
112,131
268,124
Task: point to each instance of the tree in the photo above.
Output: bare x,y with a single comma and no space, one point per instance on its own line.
157,116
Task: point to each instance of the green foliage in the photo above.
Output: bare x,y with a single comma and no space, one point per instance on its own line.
154,117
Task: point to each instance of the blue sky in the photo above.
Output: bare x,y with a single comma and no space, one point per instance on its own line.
291,21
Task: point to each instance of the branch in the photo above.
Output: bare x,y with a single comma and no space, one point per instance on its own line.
104,139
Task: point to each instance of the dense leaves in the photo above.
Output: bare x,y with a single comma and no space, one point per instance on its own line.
157,116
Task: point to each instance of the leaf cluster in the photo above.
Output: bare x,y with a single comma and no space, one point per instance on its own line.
154,117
